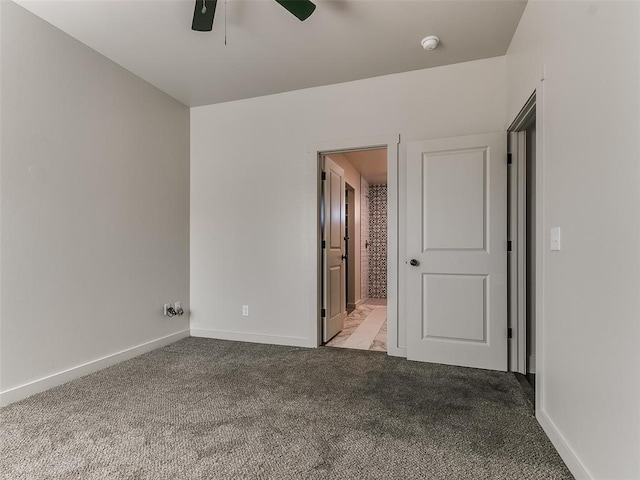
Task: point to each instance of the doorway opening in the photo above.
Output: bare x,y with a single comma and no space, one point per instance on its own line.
354,224
523,235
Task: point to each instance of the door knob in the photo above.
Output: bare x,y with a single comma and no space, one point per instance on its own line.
344,257
413,262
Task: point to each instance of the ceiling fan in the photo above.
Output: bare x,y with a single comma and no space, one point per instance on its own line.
206,9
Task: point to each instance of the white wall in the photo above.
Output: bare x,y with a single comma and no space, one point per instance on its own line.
254,187
588,123
94,201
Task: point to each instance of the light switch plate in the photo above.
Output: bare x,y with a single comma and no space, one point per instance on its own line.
554,238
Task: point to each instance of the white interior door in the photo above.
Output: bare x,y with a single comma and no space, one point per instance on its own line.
457,247
335,310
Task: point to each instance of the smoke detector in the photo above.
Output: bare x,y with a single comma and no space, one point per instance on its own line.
430,42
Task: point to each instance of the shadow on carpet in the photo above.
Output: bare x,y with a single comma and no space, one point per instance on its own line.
212,409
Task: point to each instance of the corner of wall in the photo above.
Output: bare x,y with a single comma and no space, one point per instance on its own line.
83,208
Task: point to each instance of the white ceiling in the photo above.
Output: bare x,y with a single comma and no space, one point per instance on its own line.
372,164
270,51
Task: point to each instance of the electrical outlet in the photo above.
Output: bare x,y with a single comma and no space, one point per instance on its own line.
166,307
177,306
245,310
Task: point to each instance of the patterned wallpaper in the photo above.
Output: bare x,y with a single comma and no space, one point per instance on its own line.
364,238
378,239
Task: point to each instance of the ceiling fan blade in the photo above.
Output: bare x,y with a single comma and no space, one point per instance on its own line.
299,8
203,15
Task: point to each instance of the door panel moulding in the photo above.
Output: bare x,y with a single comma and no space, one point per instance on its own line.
390,142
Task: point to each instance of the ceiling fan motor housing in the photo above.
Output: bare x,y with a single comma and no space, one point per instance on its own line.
203,15
205,11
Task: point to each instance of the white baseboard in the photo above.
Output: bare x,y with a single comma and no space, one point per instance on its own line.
253,338
23,391
570,458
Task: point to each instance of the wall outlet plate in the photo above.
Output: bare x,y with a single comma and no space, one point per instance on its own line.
166,307
245,310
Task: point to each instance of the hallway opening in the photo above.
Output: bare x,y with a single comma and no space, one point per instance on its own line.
355,275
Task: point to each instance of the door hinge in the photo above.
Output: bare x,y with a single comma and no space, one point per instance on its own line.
509,246
324,244
323,312
509,332
324,175
509,159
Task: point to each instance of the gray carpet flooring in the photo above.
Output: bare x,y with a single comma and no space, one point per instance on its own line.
209,409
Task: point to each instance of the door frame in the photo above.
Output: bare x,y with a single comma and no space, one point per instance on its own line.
390,142
517,268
